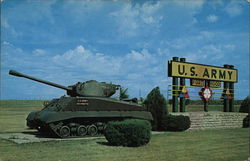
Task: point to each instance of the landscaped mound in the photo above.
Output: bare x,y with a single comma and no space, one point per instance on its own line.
131,132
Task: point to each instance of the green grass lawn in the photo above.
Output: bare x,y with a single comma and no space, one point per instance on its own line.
205,145
14,112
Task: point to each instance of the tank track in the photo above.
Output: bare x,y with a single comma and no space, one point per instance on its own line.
69,130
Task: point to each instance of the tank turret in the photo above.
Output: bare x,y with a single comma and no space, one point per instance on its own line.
89,88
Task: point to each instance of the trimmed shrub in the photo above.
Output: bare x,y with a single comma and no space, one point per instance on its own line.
164,123
246,121
245,105
176,123
157,105
131,132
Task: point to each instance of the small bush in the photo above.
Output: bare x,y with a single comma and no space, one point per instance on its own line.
131,132
245,105
175,123
246,121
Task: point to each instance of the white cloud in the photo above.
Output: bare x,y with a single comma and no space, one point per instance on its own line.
234,8
194,5
7,27
212,18
229,47
104,64
212,48
39,52
132,19
206,35
195,57
139,56
137,19
5,23
6,43
210,53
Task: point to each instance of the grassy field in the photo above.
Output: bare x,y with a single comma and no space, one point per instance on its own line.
207,145
14,112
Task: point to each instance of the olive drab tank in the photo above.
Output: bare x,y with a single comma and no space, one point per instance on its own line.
85,111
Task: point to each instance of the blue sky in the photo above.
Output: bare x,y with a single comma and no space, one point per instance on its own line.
123,42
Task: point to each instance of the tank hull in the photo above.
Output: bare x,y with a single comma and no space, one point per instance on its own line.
69,115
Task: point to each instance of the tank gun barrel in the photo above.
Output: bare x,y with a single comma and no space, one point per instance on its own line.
15,73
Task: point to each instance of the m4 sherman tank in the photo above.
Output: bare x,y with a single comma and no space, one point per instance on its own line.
85,111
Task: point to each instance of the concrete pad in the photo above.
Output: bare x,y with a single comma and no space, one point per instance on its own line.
34,137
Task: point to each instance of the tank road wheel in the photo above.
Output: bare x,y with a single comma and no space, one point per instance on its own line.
92,130
64,131
82,130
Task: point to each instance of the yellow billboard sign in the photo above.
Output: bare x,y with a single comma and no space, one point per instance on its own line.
199,71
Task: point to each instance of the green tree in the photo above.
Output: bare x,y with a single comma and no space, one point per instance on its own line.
123,93
157,105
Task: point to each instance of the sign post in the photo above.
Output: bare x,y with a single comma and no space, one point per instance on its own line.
231,101
175,88
182,85
226,100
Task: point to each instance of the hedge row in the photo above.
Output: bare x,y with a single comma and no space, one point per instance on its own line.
131,132
246,121
175,123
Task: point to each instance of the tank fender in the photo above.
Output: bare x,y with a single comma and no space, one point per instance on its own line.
50,117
